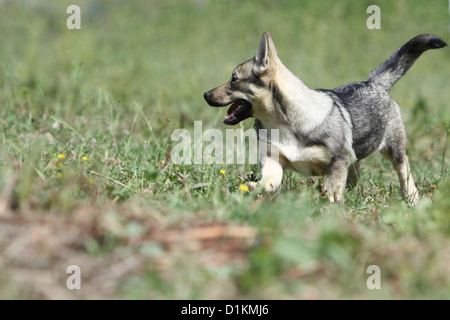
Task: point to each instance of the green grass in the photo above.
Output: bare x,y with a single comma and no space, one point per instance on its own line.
108,98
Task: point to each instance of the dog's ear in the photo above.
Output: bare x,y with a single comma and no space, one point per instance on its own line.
265,54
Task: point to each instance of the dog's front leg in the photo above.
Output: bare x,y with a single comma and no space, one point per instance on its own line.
337,176
272,174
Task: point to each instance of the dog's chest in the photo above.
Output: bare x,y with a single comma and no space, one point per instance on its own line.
308,160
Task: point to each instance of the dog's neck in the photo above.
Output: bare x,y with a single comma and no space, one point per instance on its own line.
295,103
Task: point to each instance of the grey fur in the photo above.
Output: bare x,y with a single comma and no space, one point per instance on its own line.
323,132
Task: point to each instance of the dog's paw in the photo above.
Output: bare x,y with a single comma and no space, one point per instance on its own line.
266,186
333,192
413,199
269,187
252,185
333,197
262,190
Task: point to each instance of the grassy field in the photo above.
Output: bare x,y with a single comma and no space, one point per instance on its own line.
86,177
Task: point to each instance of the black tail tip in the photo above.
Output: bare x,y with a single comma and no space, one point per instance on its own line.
437,43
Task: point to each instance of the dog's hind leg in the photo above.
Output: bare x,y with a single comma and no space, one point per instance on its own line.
400,162
407,184
353,175
394,149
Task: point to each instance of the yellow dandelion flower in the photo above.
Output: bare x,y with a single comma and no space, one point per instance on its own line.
57,163
222,171
84,159
243,188
90,182
59,175
61,156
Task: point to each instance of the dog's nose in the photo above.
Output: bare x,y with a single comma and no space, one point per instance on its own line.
207,95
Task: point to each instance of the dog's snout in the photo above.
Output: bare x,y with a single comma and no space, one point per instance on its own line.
213,99
207,96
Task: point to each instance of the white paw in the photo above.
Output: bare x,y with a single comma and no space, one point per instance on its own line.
414,198
253,185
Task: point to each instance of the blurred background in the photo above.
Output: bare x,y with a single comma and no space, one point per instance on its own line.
165,54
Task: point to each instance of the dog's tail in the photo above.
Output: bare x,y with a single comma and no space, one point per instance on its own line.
391,70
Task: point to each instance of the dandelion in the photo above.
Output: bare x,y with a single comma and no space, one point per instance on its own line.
222,171
57,163
61,156
59,175
243,188
84,159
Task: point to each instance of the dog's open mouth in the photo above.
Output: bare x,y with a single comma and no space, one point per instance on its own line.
238,111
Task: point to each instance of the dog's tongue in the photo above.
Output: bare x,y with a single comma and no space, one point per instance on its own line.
233,107
231,113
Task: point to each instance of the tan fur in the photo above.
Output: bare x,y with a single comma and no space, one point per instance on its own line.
406,182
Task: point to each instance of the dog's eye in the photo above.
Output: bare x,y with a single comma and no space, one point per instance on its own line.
233,78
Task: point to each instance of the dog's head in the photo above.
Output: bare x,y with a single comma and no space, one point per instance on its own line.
249,86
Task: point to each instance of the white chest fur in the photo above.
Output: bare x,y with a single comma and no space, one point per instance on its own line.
308,160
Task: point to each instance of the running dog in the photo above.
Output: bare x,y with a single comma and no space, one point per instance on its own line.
322,132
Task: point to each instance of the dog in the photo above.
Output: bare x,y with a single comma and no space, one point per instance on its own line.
322,132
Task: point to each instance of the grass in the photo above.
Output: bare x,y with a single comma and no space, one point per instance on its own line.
86,176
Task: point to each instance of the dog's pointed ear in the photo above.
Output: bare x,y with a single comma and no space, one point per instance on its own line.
265,53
